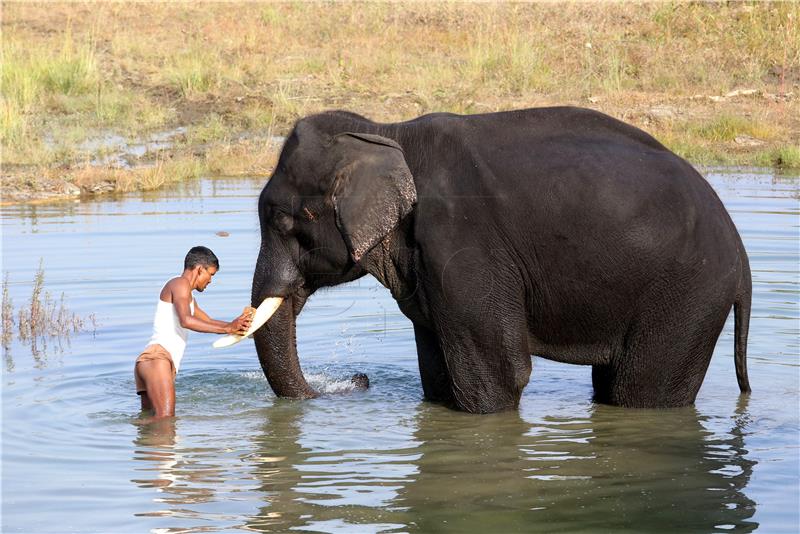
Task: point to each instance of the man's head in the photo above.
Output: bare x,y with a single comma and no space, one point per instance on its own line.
204,263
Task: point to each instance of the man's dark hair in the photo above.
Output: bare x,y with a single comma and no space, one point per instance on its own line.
200,256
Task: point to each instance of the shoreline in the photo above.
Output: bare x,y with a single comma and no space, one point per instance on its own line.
254,154
58,191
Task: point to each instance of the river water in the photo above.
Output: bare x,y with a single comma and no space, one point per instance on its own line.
74,458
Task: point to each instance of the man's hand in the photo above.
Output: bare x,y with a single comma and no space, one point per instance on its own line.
240,325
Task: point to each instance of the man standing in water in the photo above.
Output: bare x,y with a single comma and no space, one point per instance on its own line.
177,312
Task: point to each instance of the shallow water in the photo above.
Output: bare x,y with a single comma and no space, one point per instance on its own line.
237,458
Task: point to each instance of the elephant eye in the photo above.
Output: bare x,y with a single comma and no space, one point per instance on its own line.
310,215
283,222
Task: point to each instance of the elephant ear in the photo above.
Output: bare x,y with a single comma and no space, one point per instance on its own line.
372,190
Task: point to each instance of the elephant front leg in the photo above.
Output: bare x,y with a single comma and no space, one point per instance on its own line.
476,303
432,366
488,369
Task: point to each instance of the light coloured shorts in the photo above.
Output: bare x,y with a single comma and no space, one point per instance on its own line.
151,353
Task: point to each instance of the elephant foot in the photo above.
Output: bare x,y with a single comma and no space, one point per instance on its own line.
360,381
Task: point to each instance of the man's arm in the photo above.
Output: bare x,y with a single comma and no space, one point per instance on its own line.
247,316
203,316
182,296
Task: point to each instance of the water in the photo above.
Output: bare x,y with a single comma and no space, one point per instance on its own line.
237,458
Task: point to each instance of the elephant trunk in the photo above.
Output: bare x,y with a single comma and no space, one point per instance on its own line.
276,345
276,275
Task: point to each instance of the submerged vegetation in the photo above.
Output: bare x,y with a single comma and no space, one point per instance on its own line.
7,316
716,82
41,319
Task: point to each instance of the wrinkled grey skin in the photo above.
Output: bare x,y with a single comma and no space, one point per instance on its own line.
559,232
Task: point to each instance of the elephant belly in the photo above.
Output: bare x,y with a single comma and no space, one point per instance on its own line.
575,353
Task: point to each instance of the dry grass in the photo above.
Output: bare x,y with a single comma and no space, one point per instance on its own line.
145,178
245,158
73,70
7,316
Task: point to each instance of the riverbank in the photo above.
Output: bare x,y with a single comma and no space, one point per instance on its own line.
112,97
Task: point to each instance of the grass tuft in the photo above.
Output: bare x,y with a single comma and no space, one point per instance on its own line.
786,158
72,72
7,316
726,128
146,178
194,73
42,318
254,157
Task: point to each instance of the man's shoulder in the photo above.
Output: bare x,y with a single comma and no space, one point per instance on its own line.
179,285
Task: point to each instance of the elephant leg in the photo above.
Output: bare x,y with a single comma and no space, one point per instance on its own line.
477,309
432,367
488,368
666,355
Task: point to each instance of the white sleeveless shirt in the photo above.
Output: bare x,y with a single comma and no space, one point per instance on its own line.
168,332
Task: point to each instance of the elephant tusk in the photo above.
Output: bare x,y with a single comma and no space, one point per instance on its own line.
264,311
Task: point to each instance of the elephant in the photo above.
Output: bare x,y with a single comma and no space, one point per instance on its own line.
558,232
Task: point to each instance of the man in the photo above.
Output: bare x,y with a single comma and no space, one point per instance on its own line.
177,312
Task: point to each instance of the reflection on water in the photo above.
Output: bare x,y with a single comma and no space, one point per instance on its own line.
382,460
608,469
645,471
156,443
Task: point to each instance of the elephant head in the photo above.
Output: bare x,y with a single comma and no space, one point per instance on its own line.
333,196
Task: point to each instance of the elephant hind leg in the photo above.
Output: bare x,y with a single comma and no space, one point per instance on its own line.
432,367
666,356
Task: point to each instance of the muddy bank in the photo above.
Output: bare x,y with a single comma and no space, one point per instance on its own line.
122,166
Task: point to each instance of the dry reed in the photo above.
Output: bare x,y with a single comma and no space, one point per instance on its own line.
42,318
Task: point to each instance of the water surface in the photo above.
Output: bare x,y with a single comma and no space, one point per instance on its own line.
237,458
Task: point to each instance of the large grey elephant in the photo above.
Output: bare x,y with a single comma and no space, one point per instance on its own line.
557,232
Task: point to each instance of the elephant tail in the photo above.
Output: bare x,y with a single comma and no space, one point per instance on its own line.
741,310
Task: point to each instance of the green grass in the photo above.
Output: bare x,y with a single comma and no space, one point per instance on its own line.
787,158
213,128
72,72
726,128
53,91
194,73
513,61
31,74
